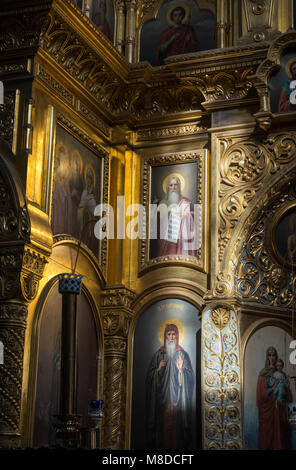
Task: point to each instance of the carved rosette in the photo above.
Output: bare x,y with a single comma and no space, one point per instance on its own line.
12,334
117,315
221,379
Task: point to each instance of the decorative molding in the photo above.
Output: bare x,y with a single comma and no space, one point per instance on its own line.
117,297
21,30
78,133
168,132
115,346
54,85
116,323
12,68
222,85
94,119
7,117
221,382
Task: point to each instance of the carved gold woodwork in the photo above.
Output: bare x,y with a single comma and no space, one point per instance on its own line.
117,315
221,382
261,275
223,288
270,65
259,20
22,261
245,167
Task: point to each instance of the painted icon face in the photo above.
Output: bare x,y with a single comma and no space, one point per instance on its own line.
171,335
174,185
177,16
272,357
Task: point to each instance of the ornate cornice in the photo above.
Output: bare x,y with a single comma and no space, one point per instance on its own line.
131,92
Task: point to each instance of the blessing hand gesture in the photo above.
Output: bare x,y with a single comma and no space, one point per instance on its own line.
180,363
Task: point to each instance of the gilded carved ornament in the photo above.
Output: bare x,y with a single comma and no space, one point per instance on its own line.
115,401
271,64
261,275
223,288
245,168
221,379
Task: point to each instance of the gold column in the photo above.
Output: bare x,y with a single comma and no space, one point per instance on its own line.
222,23
120,26
130,37
221,379
117,317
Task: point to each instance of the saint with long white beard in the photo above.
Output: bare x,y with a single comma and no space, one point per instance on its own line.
169,385
176,222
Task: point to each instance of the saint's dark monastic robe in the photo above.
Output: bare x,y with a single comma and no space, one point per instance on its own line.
169,401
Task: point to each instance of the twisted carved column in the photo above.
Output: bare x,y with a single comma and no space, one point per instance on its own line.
117,315
20,271
12,334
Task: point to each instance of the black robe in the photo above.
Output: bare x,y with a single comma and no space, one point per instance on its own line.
169,401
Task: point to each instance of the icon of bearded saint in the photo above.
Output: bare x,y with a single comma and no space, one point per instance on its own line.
176,231
169,388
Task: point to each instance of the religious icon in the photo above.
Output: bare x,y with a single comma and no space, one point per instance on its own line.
103,17
76,188
166,387
86,220
174,214
61,203
169,386
179,28
285,237
76,191
283,84
285,102
268,390
78,3
180,37
273,394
